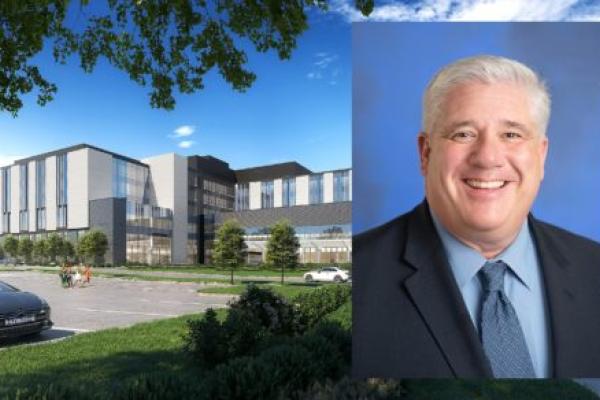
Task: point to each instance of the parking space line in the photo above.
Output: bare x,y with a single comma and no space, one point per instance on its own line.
62,328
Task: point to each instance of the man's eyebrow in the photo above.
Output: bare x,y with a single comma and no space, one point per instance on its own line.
514,124
460,124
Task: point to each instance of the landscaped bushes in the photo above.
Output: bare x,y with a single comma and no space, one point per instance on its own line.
258,318
284,369
312,306
267,347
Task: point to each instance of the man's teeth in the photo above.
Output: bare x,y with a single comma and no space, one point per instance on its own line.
485,184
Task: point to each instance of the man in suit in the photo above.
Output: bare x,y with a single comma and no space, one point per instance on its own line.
469,284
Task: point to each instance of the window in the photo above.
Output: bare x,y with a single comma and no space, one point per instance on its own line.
61,192
5,200
341,186
266,194
40,194
316,189
119,178
242,199
23,197
289,192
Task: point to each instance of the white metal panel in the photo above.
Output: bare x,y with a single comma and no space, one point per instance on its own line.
278,192
77,189
51,193
328,187
31,196
170,179
14,199
302,190
350,183
100,175
255,190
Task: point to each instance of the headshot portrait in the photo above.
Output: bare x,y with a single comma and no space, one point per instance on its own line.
476,200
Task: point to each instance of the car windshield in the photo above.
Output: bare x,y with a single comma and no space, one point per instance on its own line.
4,287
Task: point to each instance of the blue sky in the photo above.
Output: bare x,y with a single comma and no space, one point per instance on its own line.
392,65
296,110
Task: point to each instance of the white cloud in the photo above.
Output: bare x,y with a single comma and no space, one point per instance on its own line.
323,67
184,131
8,160
186,144
473,10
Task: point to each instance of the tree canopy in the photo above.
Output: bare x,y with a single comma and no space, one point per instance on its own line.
92,245
282,246
166,44
229,249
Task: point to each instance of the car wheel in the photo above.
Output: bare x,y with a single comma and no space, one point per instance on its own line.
337,279
308,278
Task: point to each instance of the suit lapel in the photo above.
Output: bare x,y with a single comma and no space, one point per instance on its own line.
563,301
437,298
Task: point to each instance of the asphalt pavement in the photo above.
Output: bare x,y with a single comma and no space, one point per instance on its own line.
111,302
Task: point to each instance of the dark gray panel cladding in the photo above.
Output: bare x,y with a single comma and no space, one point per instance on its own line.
268,172
311,215
108,215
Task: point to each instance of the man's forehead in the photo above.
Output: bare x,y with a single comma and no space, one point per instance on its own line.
474,103
506,123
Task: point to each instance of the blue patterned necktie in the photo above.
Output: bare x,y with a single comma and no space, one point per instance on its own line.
501,335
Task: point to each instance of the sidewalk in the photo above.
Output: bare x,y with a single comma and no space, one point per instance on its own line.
170,274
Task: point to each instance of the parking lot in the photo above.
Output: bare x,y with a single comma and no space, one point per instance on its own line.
111,302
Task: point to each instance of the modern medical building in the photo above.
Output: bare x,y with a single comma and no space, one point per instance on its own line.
165,209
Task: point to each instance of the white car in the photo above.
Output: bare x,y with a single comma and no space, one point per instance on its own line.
327,274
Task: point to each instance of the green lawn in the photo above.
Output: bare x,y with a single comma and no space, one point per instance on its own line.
287,290
101,359
223,271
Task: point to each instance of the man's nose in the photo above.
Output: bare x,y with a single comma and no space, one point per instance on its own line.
487,151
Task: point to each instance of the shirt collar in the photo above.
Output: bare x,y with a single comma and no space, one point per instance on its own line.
466,261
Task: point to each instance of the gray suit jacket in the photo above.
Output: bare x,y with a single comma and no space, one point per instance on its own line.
409,319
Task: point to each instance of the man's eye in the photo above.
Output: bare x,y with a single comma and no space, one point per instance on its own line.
512,135
461,136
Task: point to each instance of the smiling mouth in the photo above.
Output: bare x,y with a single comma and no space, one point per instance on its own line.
479,184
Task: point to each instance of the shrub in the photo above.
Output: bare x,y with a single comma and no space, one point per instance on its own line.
51,392
206,340
257,315
160,387
352,390
283,369
271,310
313,306
342,315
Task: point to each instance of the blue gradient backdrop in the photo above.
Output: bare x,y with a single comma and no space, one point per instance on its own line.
392,63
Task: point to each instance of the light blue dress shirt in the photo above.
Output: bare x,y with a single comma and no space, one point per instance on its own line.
523,284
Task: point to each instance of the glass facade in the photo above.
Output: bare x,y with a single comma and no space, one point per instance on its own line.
242,196
207,196
316,189
266,195
40,194
5,200
130,181
61,191
23,197
288,192
341,186
148,233
319,243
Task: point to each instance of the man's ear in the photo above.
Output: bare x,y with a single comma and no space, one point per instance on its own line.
424,150
543,153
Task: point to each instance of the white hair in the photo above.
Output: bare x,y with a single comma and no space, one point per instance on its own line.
485,69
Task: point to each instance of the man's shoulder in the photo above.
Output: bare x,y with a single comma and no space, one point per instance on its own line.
564,240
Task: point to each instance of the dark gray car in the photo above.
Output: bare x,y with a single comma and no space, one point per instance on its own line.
22,313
